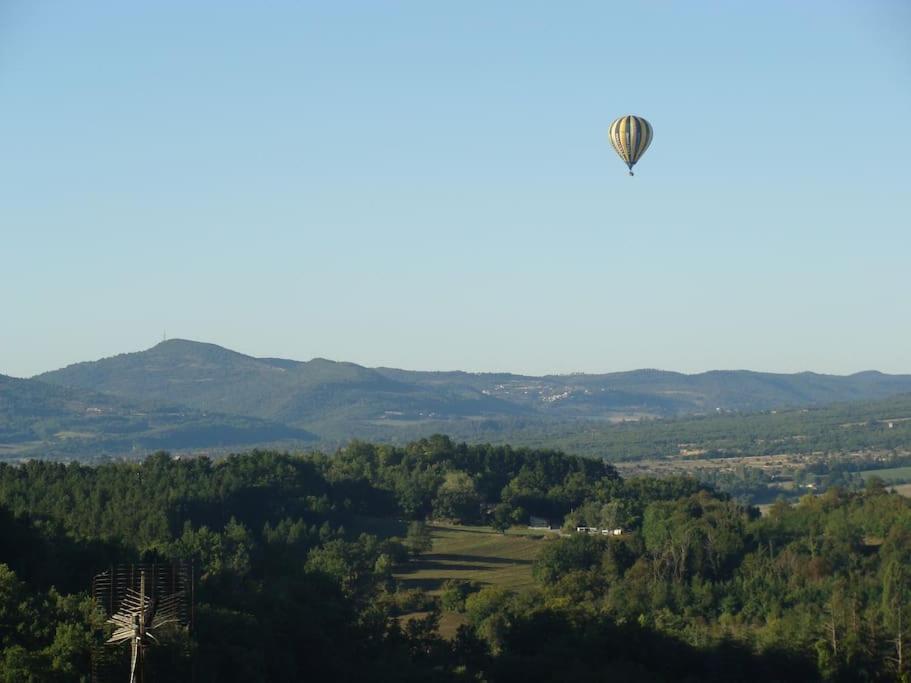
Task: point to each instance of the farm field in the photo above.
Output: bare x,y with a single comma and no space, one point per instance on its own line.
786,463
474,553
902,490
893,475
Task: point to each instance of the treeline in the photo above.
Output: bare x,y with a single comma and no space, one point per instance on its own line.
150,502
290,588
282,569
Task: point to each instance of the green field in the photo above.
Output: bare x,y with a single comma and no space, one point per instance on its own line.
893,475
478,554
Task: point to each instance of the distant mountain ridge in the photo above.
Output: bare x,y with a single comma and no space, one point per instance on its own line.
209,377
189,396
348,399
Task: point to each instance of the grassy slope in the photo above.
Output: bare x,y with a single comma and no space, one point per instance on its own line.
475,554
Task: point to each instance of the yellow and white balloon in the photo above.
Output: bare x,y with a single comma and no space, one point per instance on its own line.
630,136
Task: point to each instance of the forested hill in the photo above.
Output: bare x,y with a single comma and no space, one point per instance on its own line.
40,419
209,377
331,396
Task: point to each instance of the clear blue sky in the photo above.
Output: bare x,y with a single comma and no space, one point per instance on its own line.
429,184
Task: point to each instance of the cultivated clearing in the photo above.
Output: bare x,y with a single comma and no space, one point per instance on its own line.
893,475
474,553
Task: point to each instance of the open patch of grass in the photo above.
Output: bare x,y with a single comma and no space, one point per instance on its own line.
893,475
475,554
469,553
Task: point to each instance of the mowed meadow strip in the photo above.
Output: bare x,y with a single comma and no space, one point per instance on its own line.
478,554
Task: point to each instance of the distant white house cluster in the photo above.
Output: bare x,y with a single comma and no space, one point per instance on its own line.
596,530
535,522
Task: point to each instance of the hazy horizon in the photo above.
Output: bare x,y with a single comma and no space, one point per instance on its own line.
451,369
431,186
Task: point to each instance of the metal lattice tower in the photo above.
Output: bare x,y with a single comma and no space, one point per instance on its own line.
139,600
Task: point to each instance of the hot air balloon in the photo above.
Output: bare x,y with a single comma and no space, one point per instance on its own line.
630,136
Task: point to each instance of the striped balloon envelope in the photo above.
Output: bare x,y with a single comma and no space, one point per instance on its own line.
630,136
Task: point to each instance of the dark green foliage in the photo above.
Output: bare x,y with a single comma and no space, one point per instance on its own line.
697,588
455,592
821,586
44,636
266,533
583,648
579,552
418,538
502,517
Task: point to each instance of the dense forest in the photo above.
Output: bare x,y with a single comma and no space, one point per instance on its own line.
289,586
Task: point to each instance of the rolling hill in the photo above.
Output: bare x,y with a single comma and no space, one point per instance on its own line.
43,420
